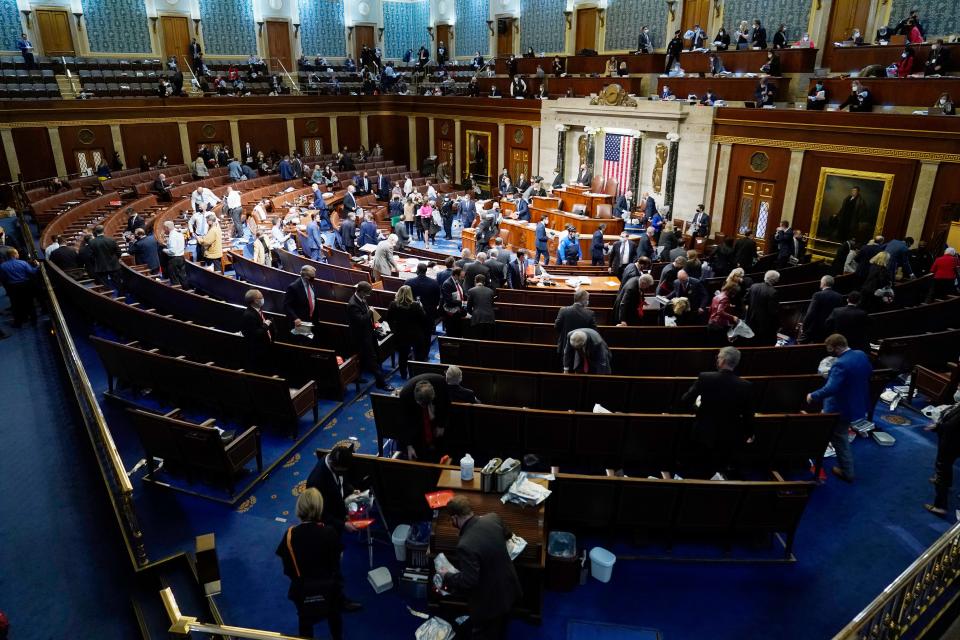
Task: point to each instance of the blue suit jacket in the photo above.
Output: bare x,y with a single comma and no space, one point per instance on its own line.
563,247
650,208
847,390
542,236
286,170
899,257
368,234
523,210
313,240
468,211
596,245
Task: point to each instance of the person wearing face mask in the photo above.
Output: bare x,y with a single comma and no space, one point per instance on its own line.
945,104
758,36
722,41
857,37
780,37
883,35
363,324
299,300
906,62
257,330
804,43
847,393
817,97
644,44
486,577
937,60
860,99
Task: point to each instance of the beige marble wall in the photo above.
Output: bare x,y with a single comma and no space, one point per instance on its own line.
654,120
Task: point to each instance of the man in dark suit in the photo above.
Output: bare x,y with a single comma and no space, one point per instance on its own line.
745,251
622,253
586,352
523,210
585,176
350,200
623,207
497,269
649,208
674,48
821,306
487,577
596,246
763,309
576,316
256,329
162,187
134,221
425,406
362,182
299,300
195,53
474,269
724,421
645,244
427,291
446,272
106,259
542,238
458,392
361,321
700,225
670,239
453,298
866,254
480,309
145,250
691,289
468,211
329,477
852,322
517,271
557,181
368,231
348,231
383,186
628,305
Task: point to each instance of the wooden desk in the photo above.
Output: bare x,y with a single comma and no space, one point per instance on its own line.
581,86
643,63
728,89
545,202
850,59
558,220
526,522
901,92
570,197
791,61
598,284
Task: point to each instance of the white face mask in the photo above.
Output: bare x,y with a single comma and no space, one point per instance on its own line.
806,38
943,101
903,55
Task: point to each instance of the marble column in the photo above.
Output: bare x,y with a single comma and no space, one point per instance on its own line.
235,138
921,197
634,184
720,193
535,160
432,136
793,184
334,135
561,151
57,147
184,143
501,149
6,136
291,136
412,141
364,131
668,191
118,143
457,153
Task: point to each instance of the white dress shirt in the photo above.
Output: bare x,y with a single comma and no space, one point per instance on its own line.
234,201
174,244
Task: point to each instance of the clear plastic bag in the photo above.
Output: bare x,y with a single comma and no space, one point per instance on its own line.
435,629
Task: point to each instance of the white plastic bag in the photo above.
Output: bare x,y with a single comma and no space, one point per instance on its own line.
740,330
434,629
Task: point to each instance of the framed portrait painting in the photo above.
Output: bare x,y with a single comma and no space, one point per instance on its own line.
478,155
850,204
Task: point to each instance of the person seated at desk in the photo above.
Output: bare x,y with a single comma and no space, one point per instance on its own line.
716,65
494,92
804,43
937,60
906,62
945,104
666,94
817,98
860,99
765,94
568,251
644,44
722,41
856,37
883,35
162,187
530,53
772,66
709,99
518,87
780,37
610,67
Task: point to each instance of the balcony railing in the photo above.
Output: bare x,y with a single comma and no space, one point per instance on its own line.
182,625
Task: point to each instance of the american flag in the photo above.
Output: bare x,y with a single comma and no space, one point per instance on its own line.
617,159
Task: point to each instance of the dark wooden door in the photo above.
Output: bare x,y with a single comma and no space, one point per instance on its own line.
754,209
443,35
504,36
176,37
696,12
586,29
278,45
364,36
845,15
55,36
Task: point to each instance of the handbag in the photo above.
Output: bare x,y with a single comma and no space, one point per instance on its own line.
310,595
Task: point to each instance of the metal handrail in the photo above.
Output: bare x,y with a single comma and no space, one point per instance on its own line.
183,625
915,591
294,84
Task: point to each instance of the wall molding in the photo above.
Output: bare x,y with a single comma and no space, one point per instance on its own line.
837,148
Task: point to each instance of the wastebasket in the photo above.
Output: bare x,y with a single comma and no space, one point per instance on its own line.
563,565
400,541
601,564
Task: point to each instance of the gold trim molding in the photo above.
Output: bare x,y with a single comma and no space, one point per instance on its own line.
837,148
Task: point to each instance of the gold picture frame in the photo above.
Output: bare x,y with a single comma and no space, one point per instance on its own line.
834,217
478,164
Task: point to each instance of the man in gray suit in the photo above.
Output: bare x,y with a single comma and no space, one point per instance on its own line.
498,269
576,316
480,308
586,352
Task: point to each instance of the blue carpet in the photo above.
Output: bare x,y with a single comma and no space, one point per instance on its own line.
580,630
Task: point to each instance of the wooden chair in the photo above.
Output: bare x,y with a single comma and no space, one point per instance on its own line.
938,386
604,211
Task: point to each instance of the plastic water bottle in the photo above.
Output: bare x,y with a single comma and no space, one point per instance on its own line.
466,468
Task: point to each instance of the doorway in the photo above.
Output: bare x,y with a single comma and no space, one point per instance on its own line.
87,160
696,12
520,163
844,16
55,36
443,35
176,37
278,46
363,35
586,29
754,208
312,147
504,36
445,153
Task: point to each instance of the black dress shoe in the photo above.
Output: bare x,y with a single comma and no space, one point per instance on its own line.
351,606
837,471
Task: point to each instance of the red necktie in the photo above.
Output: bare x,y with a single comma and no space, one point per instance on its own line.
310,303
586,365
427,428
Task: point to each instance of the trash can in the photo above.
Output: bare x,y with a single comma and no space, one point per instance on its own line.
400,541
563,565
601,564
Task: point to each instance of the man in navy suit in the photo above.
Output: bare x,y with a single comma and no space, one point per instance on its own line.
523,210
312,241
350,200
691,289
362,183
624,205
383,186
468,210
821,306
299,300
541,242
847,392
427,291
348,232
368,231
649,207
596,246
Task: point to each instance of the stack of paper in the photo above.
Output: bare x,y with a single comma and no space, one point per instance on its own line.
524,492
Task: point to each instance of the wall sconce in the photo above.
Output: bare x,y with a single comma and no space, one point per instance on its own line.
350,32
602,14
260,27
670,8
296,29
78,15
490,26
380,34
196,26
452,34
569,16
26,15
153,22
516,25
430,31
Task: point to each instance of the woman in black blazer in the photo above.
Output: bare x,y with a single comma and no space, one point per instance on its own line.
408,323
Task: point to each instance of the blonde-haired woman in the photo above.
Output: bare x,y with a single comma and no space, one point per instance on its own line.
743,283
743,35
311,553
408,324
409,211
200,170
878,279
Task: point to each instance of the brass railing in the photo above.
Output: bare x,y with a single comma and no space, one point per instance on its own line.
901,610
184,625
119,487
